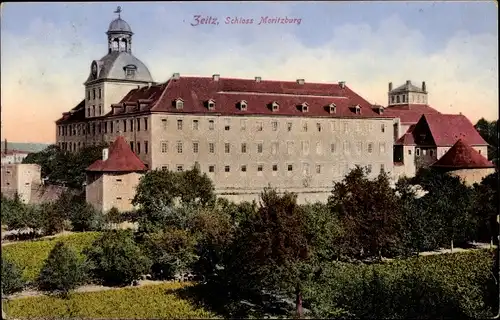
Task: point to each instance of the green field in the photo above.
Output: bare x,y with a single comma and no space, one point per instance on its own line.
153,301
30,255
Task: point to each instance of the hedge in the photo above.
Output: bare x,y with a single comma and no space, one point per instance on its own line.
152,301
31,255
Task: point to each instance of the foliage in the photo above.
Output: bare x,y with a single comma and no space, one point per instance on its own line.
486,207
172,252
115,258
447,285
65,168
62,271
489,132
84,217
30,256
11,277
153,301
158,189
369,213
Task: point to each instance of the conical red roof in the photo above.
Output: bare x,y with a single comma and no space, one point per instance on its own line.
120,159
462,155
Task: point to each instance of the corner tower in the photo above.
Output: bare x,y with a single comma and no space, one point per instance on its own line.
407,94
115,74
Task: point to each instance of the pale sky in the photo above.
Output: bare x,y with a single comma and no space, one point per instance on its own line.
47,48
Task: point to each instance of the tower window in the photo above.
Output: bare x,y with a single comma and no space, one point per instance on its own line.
100,93
130,70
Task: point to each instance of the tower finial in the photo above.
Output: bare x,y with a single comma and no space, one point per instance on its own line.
118,10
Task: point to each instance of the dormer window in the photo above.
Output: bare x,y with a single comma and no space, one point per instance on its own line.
275,106
332,108
243,105
130,70
179,103
381,110
357,109
305,107
211,104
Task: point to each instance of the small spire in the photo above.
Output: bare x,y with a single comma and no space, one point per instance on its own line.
118,10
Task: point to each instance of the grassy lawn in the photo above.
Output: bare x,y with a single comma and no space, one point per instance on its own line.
152,301
30,255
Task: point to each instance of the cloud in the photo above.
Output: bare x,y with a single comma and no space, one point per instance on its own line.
43,71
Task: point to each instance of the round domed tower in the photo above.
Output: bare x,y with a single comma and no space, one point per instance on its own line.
119,35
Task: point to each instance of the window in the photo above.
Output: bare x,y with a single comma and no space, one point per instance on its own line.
243,148
195,124
392,99
145,124
382,168
304,126
346,146
260,168
105,127
417,151
211,147
243,124
124,125
370,147
259,126
131,124
93,94
318,168
138,126
290,167
479,151
179,104
358,126
259,147
227,147
88,96
132,145
211,124
382,127
227,124
305,147
404,98
164,124
165,167
397,99
138,147
275,167
195,147
319,148
424,152
100,93
211,168
289,126
180,168
346,127
274,147
211,105
305,168
409,152
243,168
318,126
227,168
289,147
179,124
179,146
369,168
164,146
382,147
93,111
332,148
274,125
146,147
431,152
100,109
359,146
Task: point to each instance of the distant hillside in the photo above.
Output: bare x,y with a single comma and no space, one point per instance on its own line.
24,146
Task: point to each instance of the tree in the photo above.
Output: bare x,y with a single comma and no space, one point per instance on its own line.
84,217
62,272
271,249
488,131
369,211
11,277
486,207
115,258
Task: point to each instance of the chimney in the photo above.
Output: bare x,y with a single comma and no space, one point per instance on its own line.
176,76
149,85
105,153
342,84
300,81
5,146
408,82
424,87
258,79
216,77
390,86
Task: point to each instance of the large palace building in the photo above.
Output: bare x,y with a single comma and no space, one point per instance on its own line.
247,134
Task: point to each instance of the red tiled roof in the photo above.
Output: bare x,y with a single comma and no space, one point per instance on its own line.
446,129
120,159
75,114
227,93
406,140
462,155
410,113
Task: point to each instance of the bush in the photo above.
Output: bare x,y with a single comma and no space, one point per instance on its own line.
11,277
84,217
31,255
115,259
63,270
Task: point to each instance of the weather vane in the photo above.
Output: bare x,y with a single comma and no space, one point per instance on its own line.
118,10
